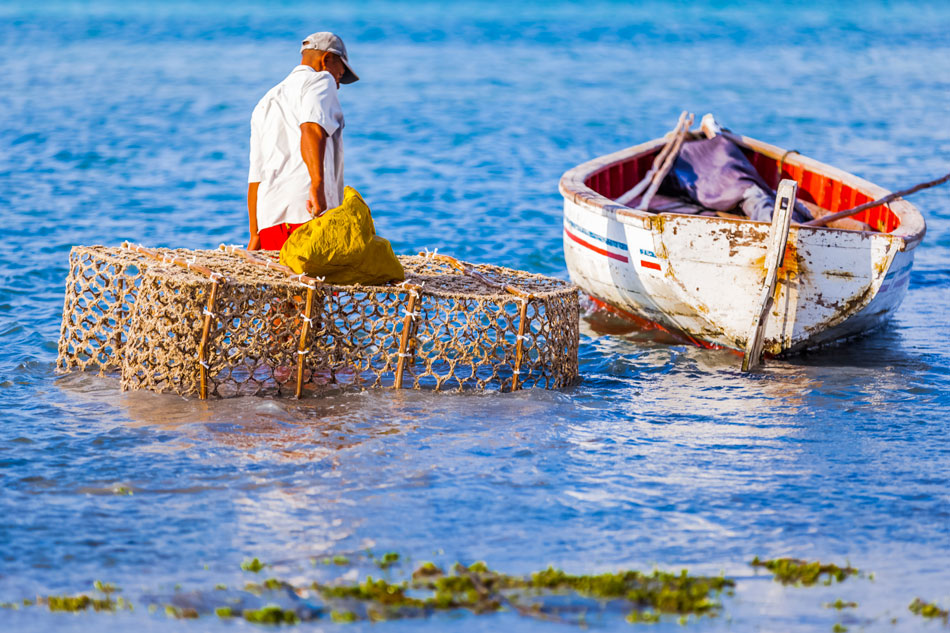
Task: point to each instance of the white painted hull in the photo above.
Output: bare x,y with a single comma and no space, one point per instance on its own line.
702,276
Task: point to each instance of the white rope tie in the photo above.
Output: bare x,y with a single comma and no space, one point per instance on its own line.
303,352
401,355
202,362
209,313
413,315
309,320
521,337
216,276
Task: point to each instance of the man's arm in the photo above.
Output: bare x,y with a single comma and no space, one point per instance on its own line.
313,146
255,242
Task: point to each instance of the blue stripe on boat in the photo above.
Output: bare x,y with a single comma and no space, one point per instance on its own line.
605,240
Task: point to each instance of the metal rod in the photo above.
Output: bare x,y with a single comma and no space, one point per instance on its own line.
203,346
302,349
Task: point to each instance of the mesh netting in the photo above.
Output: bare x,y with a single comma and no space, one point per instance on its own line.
228,323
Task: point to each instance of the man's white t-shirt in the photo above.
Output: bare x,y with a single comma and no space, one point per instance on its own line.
304,96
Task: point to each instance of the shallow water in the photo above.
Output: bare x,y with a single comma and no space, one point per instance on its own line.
119,121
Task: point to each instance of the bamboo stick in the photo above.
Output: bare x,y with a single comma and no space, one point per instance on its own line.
302,346
831,217
519,344
461,267
407,324
203,346
667,165
177,261
266,263
120,299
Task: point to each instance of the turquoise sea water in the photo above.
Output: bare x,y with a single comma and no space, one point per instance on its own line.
130,121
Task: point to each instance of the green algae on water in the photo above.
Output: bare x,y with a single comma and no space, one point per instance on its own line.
105,587
928,610
271,614
343,616
388,560
840,604
253,565
80,602
792,571
551,594
181,613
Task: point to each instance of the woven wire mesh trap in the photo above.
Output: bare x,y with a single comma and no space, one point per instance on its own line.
227,322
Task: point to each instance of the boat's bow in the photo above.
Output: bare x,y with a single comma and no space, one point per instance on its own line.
717,265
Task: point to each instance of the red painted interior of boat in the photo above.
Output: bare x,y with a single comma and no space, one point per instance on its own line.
828,193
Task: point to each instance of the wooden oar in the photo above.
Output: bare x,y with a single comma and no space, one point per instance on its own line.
667,166
831,217
647,179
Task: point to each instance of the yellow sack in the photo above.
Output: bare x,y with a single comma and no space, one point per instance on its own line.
342,246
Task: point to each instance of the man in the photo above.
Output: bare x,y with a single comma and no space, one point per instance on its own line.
296,168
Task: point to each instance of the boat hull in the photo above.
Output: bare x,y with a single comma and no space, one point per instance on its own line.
702,276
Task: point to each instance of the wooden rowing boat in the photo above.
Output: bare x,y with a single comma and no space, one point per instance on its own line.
701,277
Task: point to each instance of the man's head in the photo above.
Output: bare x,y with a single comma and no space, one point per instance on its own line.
326,51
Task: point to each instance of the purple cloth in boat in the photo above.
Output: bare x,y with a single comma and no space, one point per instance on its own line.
714,174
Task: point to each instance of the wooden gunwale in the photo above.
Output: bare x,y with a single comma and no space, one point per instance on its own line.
574,187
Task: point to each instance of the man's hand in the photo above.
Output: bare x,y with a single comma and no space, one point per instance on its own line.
317,202
254,244
313,146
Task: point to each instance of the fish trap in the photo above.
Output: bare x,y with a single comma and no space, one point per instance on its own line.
229,322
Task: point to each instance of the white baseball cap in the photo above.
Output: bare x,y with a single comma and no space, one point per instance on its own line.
326,41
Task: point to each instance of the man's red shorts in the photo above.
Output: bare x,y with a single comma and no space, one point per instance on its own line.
273,237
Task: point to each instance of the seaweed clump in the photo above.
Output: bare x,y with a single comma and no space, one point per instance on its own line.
271,614
840,604
793,571
254,565
928,610
84,602
551,594
651,594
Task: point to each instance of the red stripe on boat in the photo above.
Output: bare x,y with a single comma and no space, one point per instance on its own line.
594,248
647,264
